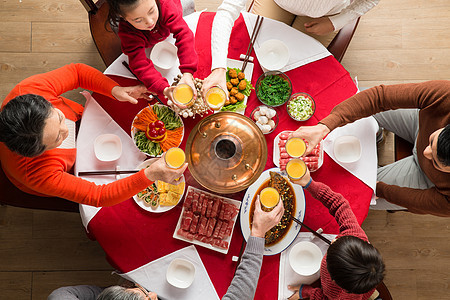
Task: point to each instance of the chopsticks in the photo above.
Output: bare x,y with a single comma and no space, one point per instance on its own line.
90,173
255,32
129,69
313,232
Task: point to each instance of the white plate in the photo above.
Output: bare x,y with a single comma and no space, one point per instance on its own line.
305,258
134,130
146,205
273,55
293,230
233,63
164,55
276,152
209,246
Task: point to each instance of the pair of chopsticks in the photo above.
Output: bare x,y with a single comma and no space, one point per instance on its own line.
310,229
129,69
255,32
90,173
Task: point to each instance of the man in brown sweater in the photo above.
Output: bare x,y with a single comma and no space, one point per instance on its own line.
419,113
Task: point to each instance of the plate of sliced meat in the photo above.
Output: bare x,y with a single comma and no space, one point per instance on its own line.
313,160
207,220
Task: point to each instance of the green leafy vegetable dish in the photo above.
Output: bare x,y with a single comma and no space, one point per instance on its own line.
238,88
273,89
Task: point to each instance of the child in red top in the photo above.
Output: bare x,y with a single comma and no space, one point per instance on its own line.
352,267
144,23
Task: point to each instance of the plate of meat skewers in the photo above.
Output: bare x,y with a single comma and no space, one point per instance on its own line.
313,160
207,220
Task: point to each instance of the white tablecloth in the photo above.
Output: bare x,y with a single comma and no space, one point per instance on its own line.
95,122
152,276
303,48
288,275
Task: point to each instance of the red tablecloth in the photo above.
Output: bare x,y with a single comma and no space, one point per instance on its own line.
132,237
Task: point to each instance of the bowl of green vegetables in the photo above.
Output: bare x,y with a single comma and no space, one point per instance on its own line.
301,107
273,88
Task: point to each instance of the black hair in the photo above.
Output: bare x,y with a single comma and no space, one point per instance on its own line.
22,122
118,8
443,146
355,265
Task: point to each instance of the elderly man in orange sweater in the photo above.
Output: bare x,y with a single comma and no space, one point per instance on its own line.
34,152
419,113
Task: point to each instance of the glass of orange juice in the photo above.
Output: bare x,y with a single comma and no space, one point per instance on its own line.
175,158
296,168
215,97
295,147
183,95
269,198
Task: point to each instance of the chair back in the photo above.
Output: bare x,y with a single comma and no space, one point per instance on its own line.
105,39
11,195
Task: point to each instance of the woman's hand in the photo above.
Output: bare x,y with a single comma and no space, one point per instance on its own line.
130,93
264,221
188,79
216,78
320,26
313,134
294,289
160,171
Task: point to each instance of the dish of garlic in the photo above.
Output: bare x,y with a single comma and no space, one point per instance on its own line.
266,118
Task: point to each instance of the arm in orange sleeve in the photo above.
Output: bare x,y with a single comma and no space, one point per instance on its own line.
47,176
69,77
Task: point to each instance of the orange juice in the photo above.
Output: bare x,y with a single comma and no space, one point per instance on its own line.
215,97
175,158
296,168
295,147
269,197
183,94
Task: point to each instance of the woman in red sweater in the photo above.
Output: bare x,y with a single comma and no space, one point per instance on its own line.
144,23
352,267
33,132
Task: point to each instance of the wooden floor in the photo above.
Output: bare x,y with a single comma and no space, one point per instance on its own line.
398,41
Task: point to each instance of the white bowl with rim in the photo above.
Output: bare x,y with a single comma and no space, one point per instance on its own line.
305,258
108,147
273,55
180,273
164,55
347,149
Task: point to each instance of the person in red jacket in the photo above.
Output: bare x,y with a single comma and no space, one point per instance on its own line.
352,267
144,23
34,131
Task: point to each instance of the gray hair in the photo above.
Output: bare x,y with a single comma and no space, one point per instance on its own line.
116,292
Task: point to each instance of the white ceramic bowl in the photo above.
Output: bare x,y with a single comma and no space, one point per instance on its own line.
108,147
305,258
164,55
347,149
180,273
273,54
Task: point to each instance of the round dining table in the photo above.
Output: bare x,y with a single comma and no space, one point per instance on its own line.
131,236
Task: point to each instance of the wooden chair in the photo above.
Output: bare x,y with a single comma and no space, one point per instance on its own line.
340,43
402,148
105,39
11,195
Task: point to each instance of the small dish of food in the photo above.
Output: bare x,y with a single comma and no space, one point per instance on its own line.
159,196
266,118
180,273
347,149
164,55
273,88
305,258
301,107
239,87
157,128
273,55
108,147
